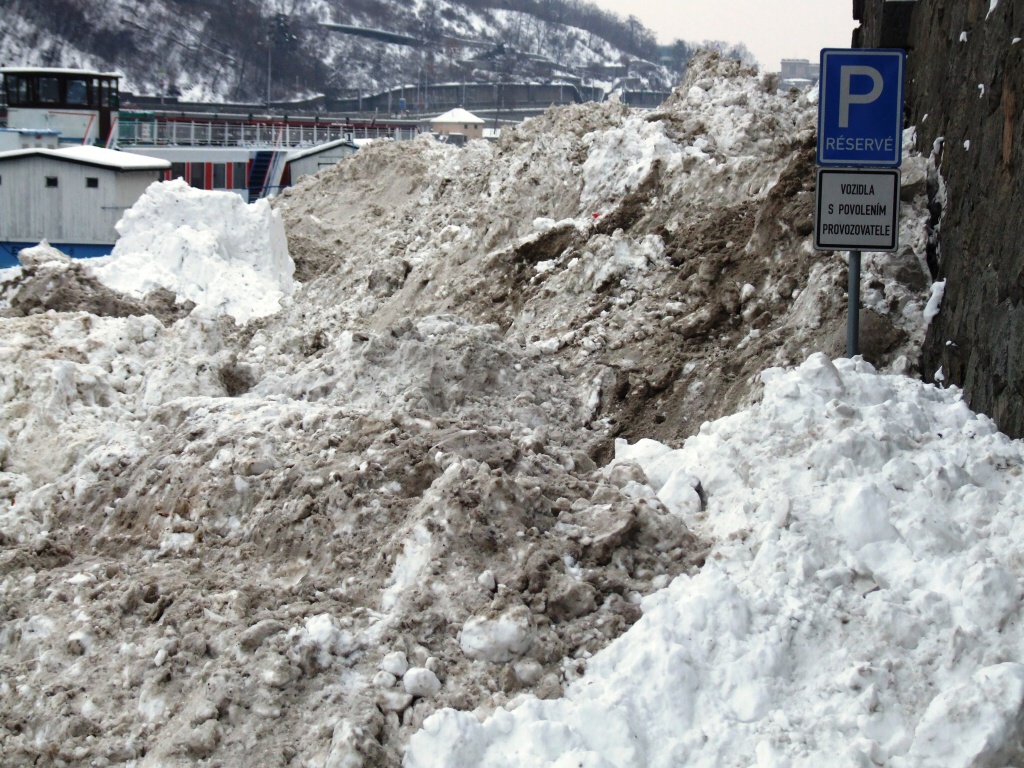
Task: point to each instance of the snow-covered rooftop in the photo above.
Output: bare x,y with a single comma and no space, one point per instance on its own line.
56,71
298,154
458,115
90,155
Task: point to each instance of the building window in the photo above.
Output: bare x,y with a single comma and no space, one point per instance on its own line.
91,182
238,180
197,175
51,181
49,90
78,93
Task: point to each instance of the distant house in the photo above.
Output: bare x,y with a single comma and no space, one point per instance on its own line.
458,122
71,197
799,73
307,162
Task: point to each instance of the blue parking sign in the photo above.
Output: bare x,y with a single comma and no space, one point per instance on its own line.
860,107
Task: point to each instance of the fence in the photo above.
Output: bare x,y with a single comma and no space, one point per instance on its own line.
208,133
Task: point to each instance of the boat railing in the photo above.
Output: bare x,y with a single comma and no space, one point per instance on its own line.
154,131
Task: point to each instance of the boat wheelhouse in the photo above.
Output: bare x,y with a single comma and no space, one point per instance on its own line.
81,105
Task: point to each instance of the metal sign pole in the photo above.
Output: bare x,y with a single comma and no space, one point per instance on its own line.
860,149
853,307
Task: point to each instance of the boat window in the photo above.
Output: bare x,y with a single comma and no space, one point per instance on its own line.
197,175
177,170
49,90
17,90
51,181
238,180
92,182
78,93
219,176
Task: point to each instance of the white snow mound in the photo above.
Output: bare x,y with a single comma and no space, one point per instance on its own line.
210,248
862,605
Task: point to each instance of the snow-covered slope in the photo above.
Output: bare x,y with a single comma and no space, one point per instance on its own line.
218,52
292,539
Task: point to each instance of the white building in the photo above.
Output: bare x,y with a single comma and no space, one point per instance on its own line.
71,197
307,162
458,122
799,73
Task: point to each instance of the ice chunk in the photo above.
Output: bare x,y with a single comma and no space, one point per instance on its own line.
863,517
395,663
419,681
211,248
498,640
968,725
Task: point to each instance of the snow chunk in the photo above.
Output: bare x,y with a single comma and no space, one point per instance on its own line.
863,518
395,663
409,564
970,724
420,681
322,630
210,248
696,95
934,300
643,450
498,640
621,158
41,254
679,494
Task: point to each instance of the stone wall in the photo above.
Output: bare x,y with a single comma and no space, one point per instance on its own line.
965,94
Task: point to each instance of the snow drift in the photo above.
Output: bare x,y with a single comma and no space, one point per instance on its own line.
210,248
861,604
294,540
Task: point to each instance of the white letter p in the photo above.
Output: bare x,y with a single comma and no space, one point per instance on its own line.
846,98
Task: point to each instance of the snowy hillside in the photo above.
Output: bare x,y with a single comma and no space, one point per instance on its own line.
412,507
226,51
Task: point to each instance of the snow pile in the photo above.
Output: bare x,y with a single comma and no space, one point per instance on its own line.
293,541
625,243
862,604
43,254
210,248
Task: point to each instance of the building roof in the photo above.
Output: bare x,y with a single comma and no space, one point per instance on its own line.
110,159
458,115
55,71
32,131
299,154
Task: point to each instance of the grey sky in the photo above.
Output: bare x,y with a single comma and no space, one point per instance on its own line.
772,29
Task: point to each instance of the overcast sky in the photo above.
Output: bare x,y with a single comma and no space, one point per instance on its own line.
772,29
